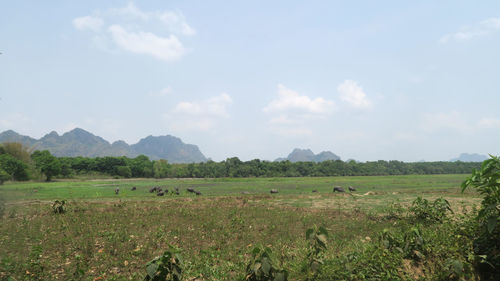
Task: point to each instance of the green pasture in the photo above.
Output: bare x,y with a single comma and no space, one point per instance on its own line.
104,236
104,188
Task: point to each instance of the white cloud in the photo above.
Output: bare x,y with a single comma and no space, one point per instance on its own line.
351,93
130,12
153,33
465,33
164,48
173,21
290,101
199,115
489,123
290,112
176,22
91,23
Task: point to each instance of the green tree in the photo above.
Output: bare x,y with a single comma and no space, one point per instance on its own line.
48,164
3,176
123,171
17,150
160,168
16,169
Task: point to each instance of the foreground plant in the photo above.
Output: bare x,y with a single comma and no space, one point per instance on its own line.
167,267
425,211
317,239
261,267
58,207
487,242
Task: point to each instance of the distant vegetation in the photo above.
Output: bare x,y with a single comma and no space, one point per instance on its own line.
17,162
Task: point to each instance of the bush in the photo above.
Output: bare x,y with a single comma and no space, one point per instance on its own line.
58,207
261,267
487,241
167,267
424,211
317,239
3,176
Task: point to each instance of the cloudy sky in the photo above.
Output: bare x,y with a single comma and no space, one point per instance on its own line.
366,80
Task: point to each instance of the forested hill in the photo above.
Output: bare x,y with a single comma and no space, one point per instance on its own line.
79,142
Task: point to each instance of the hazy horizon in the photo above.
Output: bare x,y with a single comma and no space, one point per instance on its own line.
366,81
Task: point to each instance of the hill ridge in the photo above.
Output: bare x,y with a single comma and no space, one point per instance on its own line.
79,142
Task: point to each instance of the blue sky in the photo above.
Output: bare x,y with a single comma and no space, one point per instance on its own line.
255,79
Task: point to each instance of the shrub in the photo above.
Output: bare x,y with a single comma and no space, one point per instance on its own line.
4,176
317,239
424,211
167,267
261,267
487,241
58,207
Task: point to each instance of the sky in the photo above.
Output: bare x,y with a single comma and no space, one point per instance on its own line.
367,80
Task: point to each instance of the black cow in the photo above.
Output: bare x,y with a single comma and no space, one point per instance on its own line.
338,189
153,189
190,190
274,191
314,191
197,192
134,188
351,189
160,193
117,190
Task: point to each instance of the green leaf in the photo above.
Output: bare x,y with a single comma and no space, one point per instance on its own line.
323,239
492,222
323,231
308,233
266,266
281,276
151,269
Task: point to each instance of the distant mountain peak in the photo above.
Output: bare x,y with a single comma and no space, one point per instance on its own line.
79,142
306,155
470,157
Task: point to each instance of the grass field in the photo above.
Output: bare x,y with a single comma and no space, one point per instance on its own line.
104,236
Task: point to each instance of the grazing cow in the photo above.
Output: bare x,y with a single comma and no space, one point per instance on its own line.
197,192
160,193
338,189
152,189
177,192
190,190
351,189
314,191
117,190
134,188
158,189
274,191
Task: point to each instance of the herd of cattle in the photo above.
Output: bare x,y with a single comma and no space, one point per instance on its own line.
160,191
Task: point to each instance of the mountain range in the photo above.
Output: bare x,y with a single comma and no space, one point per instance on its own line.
79,142
466,157
306,155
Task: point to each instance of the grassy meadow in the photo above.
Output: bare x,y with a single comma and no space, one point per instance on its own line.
104,236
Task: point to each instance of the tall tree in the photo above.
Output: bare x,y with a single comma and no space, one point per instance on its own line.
48,164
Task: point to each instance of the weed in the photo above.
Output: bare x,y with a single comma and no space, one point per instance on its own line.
167,267
58,207
424,211
316,239
261,267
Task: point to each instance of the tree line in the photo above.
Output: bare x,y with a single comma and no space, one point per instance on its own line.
19,163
